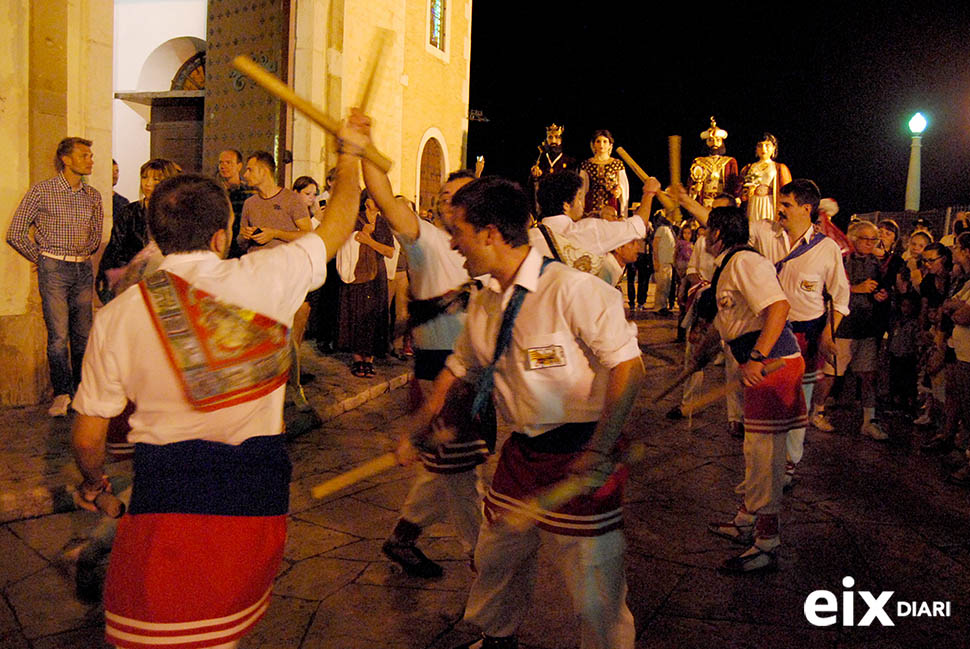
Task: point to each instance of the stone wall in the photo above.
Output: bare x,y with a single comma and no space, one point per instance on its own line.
55,80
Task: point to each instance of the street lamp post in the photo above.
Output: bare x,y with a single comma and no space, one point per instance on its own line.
917,124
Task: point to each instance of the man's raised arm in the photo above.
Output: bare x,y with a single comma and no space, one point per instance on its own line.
337,220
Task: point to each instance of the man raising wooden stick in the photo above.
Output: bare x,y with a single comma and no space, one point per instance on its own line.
565,366
195,558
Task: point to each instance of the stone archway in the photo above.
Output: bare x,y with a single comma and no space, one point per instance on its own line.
431,174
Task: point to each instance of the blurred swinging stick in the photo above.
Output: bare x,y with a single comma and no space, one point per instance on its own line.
276,87
361,472
383,39
560,493
719,392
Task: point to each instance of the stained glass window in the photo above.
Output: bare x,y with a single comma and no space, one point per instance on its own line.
437,31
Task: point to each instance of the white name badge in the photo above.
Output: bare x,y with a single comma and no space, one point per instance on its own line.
543,357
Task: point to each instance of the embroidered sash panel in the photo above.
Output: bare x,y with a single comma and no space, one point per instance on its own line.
223,354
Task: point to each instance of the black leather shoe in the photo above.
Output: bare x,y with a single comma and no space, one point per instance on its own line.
412,560
675,413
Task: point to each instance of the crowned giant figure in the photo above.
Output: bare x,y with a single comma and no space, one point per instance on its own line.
715,173
551,158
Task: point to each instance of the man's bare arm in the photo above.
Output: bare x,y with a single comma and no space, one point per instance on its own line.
623,385
88,438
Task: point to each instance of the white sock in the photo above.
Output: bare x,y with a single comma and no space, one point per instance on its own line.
868,414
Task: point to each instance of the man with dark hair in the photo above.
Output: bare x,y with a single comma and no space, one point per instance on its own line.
561,205
751,313
230,168
565,366
201,348
275,214
448,482
67,215
809,266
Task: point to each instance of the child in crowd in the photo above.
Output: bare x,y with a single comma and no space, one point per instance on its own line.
903,355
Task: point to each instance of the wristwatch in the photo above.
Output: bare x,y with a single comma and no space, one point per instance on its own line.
756,356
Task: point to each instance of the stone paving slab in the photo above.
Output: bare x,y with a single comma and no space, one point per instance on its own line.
37,471
877,512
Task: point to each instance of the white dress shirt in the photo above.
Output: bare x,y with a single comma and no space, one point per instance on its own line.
596,235
125,359
570,331
804,277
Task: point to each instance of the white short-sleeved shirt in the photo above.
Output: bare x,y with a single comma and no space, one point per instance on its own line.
570,331
433,270
804,277
596,235
610,272
744,289
701,262
664,246
125,359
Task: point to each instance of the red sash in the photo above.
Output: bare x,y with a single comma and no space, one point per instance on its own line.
223,354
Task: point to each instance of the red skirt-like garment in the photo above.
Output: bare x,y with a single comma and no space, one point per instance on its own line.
777,404
190,580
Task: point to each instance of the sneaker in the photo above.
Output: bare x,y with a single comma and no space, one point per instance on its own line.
412,560
873,430
59,407
819,422
923,420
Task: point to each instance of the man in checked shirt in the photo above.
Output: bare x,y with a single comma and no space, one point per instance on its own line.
66,215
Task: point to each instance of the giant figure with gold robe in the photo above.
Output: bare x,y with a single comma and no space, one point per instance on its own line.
716,172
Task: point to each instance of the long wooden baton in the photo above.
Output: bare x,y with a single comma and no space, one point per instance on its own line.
276,87
719,392
366,470
630,162
673,150
560,493
683,376
382,40
668,203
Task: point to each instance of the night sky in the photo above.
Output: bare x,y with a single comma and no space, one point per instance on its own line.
836,83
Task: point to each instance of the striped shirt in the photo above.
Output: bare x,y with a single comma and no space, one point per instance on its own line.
66,222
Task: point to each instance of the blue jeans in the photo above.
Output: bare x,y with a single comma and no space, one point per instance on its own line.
66,292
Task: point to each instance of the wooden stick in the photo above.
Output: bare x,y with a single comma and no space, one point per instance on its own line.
640,173
276,87
366,470
673,148
719,392
382,40
669,204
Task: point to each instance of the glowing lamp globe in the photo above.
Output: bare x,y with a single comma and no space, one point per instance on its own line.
917,123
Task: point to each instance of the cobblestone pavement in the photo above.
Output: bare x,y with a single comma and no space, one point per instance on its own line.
878,512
